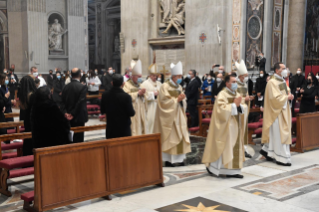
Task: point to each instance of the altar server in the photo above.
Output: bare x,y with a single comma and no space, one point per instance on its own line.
224,150
276,133
171,119
152,87
132,87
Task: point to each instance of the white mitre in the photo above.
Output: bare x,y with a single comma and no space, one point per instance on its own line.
177,69
137,68
152,69
241,68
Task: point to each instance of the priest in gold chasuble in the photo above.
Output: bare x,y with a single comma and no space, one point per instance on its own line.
132,87
224,150
276,134
242,89
152,87
171,120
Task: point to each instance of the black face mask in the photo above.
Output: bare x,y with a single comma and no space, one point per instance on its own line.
308,81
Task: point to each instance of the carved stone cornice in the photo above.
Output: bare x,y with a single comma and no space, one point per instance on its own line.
167,40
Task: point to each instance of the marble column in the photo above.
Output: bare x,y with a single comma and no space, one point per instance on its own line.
268,24
296,33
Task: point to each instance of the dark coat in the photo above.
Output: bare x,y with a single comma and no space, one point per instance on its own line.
307,104
27,143
74,101
7,102
260,86
2,118
262,64
216,89
58,86
117,105
13,86
192,92
106,82
48,124
50,80
299,81
83,79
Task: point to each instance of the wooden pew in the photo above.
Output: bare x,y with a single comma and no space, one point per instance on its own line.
307,132
16,162
73,173
204,123
94,96
11,115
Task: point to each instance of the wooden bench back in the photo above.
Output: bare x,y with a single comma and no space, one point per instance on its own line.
307,132
93,96
73,173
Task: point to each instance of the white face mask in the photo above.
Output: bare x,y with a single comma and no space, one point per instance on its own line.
159,79
298,72
209,78
218,79
110,71
284,73
261,75
220,71
35,74
246,79
317,77
81,74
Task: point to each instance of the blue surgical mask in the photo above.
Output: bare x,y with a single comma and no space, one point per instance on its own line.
188,76
6,82
234,86
58,77
179,81
140,80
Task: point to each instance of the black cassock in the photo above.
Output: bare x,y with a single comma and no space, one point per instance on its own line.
307,104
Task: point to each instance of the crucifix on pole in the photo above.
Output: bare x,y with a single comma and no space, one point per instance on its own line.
165,72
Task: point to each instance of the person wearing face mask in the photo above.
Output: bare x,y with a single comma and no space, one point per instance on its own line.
276,133
218,86
243,91
35,74
299,81
93,83
260,87
13,81
171,120
192,95
58,85
83,78
152,87
107,79
50,79
8,102
138,95
208,86
224,149
308,95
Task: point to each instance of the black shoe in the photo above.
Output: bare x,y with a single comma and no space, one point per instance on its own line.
235,176
169,164
283,164
247,155
209,172
265,154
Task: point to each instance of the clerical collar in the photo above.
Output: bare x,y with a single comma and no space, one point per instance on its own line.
231,91
279,77
240,83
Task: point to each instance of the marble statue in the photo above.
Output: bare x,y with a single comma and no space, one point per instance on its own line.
55,36
173,15
219,30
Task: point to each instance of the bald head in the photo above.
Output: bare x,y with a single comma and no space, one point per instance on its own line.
76,73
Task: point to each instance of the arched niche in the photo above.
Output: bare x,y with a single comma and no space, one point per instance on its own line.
61,20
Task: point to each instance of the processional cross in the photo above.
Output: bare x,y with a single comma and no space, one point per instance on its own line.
165,72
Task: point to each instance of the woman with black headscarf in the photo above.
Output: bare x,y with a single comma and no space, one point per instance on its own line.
260,87
308,93
26,98
48,124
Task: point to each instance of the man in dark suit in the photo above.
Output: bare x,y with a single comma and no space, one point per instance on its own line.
107,79
262,62
74,103
118,107
50,79
218,85
13,81
192,94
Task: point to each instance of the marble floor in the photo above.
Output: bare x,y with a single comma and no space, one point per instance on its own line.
266,187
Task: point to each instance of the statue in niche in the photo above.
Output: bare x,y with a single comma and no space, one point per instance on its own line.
55,36
173,15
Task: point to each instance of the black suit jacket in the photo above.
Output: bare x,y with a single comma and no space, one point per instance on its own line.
50,80
216,89
106,82
192,92
118,107
13,86
58,86
74,101
262,64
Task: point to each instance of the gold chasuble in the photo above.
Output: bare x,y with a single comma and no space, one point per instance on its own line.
151,87
243,91
171,121
139,121
224,141
277,106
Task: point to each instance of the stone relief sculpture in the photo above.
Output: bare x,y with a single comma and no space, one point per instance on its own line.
117,44
173,15
55,36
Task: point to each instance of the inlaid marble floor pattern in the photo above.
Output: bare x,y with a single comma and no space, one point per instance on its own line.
266,187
